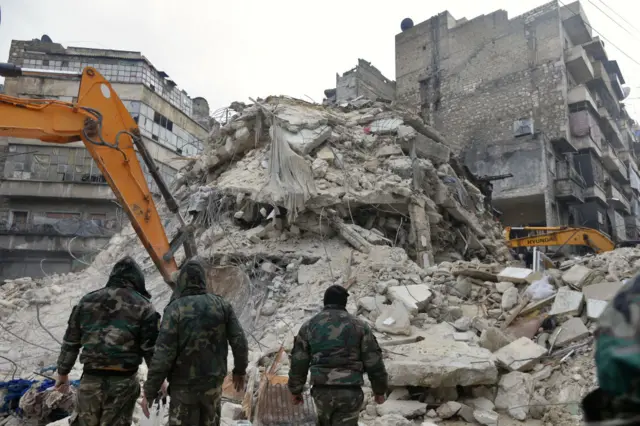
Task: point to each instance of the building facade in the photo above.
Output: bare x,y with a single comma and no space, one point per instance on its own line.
537,96
56,210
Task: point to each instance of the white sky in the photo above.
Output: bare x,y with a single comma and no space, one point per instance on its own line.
229,51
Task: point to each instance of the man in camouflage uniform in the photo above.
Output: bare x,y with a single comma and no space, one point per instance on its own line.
618,360
192,351
116,327
338,348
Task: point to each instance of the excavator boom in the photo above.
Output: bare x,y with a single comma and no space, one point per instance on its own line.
101,121
562,236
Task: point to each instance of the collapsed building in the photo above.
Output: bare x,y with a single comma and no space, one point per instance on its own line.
291,197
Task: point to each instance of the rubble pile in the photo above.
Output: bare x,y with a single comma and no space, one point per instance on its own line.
297,197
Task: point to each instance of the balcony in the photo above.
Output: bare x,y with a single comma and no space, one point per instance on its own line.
613,164
595,193
610,129
83,228
52,243
617,200
595,49
578,64
602,82
569,191
575,23
581,95
632,223
615,77
27,188
627,156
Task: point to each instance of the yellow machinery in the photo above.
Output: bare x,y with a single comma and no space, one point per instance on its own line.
561,236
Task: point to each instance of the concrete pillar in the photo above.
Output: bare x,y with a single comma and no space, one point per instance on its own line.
421,232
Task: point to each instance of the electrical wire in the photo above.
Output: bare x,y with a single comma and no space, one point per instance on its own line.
619,16
612,19
601,35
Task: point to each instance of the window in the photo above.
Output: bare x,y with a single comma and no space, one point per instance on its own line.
45,62
19,219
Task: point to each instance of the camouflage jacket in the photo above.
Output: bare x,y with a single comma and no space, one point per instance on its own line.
116,326
338,348
192,346
618,344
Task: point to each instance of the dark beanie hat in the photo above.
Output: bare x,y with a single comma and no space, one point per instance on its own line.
336,295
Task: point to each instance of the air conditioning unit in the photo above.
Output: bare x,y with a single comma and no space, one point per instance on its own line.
523,127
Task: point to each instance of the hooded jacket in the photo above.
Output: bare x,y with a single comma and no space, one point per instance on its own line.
116,326
191,351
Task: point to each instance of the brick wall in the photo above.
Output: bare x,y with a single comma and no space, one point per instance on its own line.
472,79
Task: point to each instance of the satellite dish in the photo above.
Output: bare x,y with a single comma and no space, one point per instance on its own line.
625,92
46,39
407,23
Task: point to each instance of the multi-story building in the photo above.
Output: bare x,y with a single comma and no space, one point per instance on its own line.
537,96
56,209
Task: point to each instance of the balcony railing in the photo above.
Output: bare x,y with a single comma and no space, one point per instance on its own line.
595,192
569,190
64,228
578,64
613,164
618,200
611,130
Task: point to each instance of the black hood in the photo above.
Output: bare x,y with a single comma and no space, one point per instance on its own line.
127,274
192,279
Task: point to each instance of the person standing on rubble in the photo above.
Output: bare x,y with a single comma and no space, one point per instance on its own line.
338,348
192,349
116,327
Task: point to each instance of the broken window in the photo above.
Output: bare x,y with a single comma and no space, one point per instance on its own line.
19,220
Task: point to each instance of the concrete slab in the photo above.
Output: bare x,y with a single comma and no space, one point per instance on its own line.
520,355
534,306
306,140
579,276
439,361
602,291
567,302
595,308
515,275
407,409
414,297
569,332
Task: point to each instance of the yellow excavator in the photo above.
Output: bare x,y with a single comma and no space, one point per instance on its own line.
563,236
101,121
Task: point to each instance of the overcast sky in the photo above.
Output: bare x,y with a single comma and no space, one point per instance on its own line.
225,51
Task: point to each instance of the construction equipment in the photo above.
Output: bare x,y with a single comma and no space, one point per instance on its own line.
101,121
561,236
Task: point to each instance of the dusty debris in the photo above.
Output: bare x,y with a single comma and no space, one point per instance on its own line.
567,302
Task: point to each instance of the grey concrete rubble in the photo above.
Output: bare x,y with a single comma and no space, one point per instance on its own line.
426,266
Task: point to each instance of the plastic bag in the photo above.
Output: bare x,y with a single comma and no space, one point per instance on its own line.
158,412
541,289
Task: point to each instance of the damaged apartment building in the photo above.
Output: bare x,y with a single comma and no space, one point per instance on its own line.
536,96
56,209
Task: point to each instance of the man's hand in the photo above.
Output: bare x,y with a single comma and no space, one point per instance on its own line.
145,406
297,399
379,399
62,383
163,390
238,382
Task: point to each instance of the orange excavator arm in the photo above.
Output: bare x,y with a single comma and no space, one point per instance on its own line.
563,236
101,121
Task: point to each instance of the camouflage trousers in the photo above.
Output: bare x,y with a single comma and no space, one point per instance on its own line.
106,401
195,408
337,406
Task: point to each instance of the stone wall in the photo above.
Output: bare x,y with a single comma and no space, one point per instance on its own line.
364,80
473,79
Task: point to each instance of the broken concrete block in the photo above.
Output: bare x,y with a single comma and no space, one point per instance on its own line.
394,319
392,420
255,234
514,393
448,409
466,413
425,147
407,409
439,361
415,298
486,417
602,291
372,303
520,355
579,276
388,151
306,140
480,403
326,154
493,339
382,286
399,394
319,168
515,275
567,302
501,287
569,332
463,286
595,308
462,324
510,299
385,126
